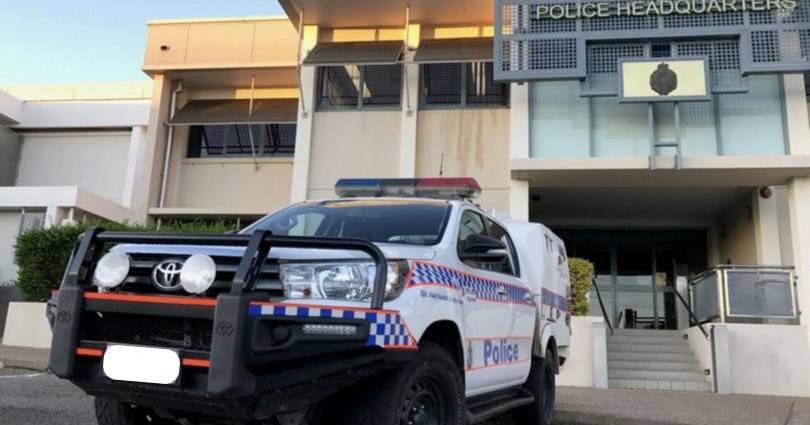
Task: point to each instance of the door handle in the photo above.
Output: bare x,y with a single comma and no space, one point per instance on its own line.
502,292
528,298
470,294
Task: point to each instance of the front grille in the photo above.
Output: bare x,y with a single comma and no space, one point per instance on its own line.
165,332
140,276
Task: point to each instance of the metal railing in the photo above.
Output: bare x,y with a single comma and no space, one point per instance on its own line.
733,293
602,304
692,316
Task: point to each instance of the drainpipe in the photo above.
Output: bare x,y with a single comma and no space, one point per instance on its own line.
168,153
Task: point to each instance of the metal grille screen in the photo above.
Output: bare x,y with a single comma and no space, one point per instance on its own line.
532,46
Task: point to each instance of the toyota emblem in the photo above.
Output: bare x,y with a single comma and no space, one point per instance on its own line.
166,274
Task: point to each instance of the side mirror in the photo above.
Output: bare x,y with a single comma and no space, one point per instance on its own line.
482,248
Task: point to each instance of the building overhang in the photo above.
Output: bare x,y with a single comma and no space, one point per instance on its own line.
715,171
178,213
10,109
43,197
212,44
376,13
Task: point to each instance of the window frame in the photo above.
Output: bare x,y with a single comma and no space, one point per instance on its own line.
423,104
510,246
360,106
260,145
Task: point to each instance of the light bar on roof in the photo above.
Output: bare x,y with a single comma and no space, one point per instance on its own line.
441,187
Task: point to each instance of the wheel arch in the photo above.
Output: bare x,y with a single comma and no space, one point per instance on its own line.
446,334
546,341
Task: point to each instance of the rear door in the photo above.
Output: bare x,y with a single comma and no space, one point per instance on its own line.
494,354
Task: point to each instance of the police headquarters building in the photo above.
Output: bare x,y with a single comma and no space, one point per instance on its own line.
666,141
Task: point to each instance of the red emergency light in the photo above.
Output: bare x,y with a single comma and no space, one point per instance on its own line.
439,187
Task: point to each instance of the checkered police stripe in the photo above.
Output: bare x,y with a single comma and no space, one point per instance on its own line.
387,329
485,289
554,300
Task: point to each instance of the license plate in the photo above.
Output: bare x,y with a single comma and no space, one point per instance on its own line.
141,364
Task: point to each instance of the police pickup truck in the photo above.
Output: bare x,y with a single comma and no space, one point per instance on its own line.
398,302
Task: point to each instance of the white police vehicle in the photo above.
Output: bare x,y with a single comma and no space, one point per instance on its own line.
399,302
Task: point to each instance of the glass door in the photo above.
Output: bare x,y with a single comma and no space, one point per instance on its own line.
634,289
635,271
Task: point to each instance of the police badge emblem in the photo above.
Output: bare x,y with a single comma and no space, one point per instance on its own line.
663,80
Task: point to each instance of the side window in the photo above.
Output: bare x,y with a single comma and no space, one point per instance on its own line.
509,265
473,224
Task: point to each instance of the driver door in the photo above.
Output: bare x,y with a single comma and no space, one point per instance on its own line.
492,357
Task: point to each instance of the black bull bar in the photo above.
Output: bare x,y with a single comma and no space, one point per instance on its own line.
227,374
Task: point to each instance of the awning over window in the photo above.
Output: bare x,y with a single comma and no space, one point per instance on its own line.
236,112
455,50
355,53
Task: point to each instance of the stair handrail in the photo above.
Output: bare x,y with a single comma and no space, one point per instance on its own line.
601,304
692,314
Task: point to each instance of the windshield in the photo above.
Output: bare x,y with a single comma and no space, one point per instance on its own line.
384,221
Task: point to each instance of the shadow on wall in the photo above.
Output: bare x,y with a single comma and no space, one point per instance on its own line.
7,294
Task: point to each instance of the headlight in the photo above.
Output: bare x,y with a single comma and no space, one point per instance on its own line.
345,281
198,274
111,270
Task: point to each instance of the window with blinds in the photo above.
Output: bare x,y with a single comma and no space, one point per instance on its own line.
354,87
460,85
267,140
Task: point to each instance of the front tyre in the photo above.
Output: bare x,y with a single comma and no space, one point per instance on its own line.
113,412
542,384
427,391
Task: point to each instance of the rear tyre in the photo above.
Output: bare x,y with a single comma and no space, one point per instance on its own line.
542,384
113,412
427,391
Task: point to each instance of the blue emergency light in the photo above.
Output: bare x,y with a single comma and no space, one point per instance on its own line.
440,187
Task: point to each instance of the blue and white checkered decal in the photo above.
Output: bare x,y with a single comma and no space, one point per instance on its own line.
387,329
485,289
554,300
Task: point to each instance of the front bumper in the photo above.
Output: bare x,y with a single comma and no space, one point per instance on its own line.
254,361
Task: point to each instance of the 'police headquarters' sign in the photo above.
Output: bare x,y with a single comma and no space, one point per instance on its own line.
657,7
558,39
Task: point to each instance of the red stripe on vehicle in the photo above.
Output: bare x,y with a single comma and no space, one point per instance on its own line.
89,352
152,299
197,363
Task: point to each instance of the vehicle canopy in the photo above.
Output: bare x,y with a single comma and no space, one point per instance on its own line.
542,256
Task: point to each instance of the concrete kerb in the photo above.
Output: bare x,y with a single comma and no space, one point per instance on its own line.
24,358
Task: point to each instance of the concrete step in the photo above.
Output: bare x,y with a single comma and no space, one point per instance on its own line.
662,385
668,366
681,348
653,332
656,375
640,356
645,339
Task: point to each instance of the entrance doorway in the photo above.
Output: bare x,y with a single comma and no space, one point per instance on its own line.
636,271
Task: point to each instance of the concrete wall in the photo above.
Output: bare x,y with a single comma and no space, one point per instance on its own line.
769,359
737,237
578,370
235,184
9,154
352,144
701,346
759,359
95,161
474,142
27,326
9,228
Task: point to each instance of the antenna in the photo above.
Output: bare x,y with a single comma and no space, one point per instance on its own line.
441,166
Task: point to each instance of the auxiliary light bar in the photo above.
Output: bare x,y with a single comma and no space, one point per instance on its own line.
440,187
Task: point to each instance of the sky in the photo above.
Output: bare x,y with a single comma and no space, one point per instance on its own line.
90,41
